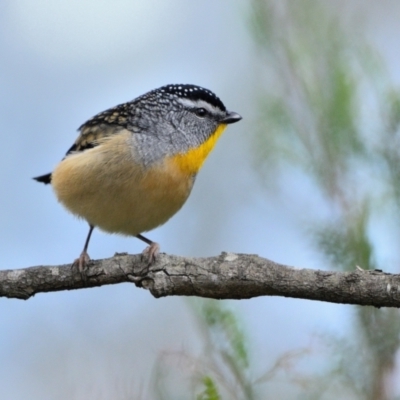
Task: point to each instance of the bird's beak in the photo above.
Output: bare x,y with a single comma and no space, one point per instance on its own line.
230,118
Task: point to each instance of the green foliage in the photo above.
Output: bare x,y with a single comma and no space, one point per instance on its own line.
210,390
222,371
328,108
226,346
387,150
347,245
223,321
310,103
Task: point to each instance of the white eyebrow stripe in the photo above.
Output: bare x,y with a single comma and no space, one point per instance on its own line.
199,104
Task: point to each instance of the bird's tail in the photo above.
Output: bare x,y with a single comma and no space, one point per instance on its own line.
46,179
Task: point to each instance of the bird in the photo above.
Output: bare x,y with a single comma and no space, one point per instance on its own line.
133,166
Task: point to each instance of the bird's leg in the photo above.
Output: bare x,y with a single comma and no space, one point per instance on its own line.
151,251
84,258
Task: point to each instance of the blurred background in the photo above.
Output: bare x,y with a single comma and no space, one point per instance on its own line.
309,178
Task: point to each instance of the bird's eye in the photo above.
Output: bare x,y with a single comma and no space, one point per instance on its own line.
200,112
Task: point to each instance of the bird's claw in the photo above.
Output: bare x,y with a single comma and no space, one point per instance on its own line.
149,255
81,262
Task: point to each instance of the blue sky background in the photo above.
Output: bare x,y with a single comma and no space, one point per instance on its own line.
63,62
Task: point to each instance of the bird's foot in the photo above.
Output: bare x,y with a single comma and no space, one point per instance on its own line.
81,262
150,254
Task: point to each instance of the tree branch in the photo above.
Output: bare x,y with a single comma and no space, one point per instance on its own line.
228,276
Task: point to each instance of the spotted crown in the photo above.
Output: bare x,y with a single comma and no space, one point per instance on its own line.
191,92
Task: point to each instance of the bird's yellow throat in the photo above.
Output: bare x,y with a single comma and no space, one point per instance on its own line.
192,161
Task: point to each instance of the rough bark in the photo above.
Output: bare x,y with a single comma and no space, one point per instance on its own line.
228,276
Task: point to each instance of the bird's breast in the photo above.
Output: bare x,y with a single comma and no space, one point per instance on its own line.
113,191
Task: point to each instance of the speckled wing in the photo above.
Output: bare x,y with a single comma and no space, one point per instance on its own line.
105,124
102,125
